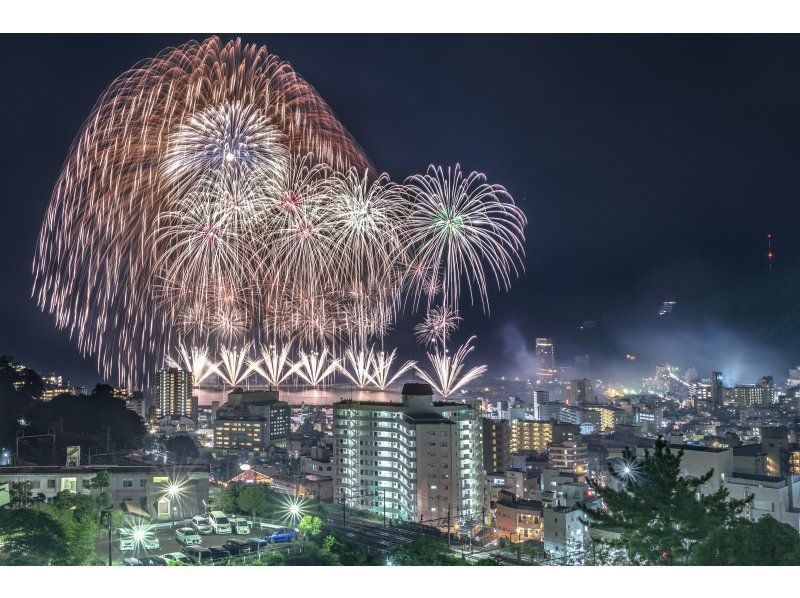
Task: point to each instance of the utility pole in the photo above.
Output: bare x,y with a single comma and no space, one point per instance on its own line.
448,524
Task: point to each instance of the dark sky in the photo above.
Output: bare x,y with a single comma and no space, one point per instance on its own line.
650,168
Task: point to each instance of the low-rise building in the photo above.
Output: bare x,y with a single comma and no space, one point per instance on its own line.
518,520
564,531
163,493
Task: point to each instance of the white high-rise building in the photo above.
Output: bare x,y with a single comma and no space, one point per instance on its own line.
415,458
174,391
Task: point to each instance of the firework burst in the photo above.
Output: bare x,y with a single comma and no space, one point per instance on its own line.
212,198
447,377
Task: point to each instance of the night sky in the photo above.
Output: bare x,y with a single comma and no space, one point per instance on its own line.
650,168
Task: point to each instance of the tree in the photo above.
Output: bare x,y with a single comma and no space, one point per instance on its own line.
228,498
31,537
310,525
100,482
765,542
258,499
423,551
181,448
80,529
657,512
20,494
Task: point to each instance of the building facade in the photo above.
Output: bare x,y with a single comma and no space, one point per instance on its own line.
144,486
251,422
530,435
496,444
418,460
174,392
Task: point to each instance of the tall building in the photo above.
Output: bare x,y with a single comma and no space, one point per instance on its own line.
751,395
251,422
496,444
174,391
539,397
580,391
607,417
417,459
716,393
794,377
569,455
527,435
545,361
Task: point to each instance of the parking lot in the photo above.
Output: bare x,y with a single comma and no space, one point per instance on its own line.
167,542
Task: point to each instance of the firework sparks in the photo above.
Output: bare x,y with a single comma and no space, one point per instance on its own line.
212,197
439,323
315,368
459,225
274,366
360,365
196,361
232,368
447,377
382,369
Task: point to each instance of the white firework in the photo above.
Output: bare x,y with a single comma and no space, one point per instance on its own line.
233,366
447,377
439,323
274,366
357,367
315,367
461,227
196,361
382,374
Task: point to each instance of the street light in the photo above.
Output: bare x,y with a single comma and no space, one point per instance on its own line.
173,493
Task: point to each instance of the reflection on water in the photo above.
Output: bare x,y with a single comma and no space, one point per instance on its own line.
309,396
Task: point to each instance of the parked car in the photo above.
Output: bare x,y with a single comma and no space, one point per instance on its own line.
132,562
176,558
187,536
241,525
257,544
218,553
202,526
237,546
281,534
137,539
199,555
219,522
153,561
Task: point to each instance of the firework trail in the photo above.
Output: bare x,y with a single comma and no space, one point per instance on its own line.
447,377
359,369
315,368
233,368
382,374
211,198
195,361
274,366
437,326
459,225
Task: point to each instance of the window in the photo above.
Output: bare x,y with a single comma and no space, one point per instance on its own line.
51,484
142,482
127,483
86,483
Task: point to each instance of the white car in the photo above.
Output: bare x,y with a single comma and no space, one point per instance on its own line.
202,526
187,536
241,526
219,522
176,558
